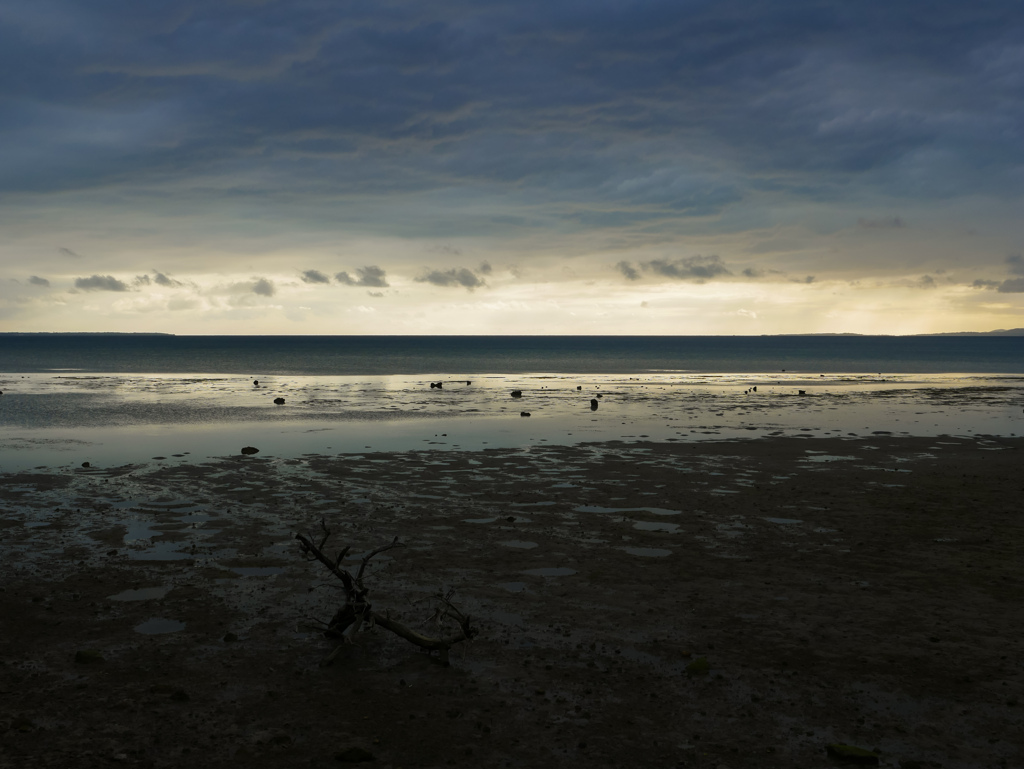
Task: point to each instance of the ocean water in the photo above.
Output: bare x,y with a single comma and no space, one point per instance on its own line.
113,400
462,355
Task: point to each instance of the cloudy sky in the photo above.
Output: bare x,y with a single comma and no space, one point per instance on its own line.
511,166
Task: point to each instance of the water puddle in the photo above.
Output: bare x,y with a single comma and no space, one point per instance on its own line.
784,521
648,552
520,543
551,571
141,594
159,625
479,520
655,526
599,509
513,587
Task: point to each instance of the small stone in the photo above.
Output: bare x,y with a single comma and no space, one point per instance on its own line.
517,393
524,413
86,464
354,755
279,401
250,450
851,754
88,656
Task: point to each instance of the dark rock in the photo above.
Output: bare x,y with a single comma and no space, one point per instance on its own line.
593,404
801,392
256,382
517,393
88,656
468,382
432,385
524,413
279,401
599,395
354,755
850,754
579,387
250,450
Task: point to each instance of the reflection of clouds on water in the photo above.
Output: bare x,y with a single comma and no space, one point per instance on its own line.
133,417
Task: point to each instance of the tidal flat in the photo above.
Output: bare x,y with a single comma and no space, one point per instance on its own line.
740,603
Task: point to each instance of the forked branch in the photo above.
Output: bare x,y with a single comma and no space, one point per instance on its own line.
356,611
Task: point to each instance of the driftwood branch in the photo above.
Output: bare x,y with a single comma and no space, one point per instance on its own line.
357,611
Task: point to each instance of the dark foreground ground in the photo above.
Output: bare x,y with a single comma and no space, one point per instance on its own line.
732,604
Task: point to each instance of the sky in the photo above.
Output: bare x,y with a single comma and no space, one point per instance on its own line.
511,166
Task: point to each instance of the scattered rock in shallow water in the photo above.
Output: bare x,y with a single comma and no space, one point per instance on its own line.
86,464
88,656
354,756
593,404
517,393
851,754
279,401
524,413
250,450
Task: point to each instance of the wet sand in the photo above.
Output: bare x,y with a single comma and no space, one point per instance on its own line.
738,604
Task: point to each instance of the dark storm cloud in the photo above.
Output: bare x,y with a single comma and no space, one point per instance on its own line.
370,276
628,270
35,280
1011,286
698,268
263,287
632,109
455,277
167,282
314,276
100,283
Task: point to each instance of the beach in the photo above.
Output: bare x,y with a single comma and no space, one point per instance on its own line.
729,602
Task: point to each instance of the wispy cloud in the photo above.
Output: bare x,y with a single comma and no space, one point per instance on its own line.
314,276
35,280
100,283
454,277
370,276
699,268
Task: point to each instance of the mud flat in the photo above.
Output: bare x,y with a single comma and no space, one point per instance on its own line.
738,604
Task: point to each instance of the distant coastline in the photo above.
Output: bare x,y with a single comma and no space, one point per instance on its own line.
996,332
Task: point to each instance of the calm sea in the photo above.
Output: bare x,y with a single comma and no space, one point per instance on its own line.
410,355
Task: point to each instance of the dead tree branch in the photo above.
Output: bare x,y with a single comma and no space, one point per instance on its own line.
357,611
